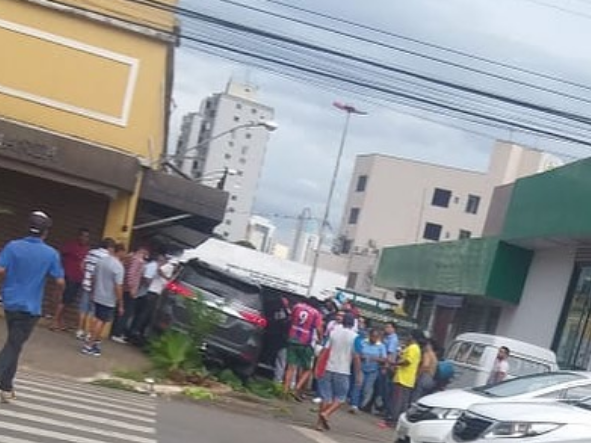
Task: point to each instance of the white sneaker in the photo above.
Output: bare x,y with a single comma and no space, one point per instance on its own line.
317,401
118,339
80,334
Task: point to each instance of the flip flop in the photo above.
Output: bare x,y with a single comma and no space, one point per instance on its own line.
58,329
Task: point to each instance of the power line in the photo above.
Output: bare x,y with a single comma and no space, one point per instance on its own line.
365,61
559,8
409,52
429,44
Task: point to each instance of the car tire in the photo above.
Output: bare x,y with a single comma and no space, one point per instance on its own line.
245,371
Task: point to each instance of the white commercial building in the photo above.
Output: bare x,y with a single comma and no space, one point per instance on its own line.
393,201
224,145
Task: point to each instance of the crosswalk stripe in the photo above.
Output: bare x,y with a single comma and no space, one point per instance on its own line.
85,417
82,428
8,439
137,403
79,406
78,399
83,386
39,432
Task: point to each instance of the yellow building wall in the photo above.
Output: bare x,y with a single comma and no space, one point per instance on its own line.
82,78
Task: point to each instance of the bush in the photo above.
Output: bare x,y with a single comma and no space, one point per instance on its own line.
170,351
176,351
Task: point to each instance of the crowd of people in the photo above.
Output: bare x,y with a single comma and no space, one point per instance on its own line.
344,360
110,285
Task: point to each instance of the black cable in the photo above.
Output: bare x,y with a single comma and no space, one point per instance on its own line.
409,52
351,57
429,44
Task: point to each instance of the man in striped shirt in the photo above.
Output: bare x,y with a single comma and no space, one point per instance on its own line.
134,272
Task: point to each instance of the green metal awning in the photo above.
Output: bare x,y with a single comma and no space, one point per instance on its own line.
486,267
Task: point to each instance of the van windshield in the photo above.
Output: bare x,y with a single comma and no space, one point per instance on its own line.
222,285
528,383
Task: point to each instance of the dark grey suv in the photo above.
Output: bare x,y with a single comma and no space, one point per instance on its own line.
237,340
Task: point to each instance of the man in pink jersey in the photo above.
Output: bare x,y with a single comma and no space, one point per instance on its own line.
306,326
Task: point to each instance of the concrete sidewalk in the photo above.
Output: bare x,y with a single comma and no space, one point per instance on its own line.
59,353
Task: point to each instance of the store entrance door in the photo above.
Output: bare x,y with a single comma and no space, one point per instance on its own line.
573,344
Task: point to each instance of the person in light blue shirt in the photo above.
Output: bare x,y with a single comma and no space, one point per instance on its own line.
25,265
387,377
372,354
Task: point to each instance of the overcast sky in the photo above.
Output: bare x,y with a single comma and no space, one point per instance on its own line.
301,154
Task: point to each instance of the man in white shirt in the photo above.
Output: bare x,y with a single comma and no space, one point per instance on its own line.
158,281
334,384
500,367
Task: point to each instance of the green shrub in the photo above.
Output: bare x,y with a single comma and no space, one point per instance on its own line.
170,351
198,393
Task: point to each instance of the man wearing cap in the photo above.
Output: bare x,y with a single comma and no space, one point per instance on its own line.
25,265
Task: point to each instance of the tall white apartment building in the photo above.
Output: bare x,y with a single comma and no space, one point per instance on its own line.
234,160
393,201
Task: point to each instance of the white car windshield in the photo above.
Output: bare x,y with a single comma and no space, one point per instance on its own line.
528,383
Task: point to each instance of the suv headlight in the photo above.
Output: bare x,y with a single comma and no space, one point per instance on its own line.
520,430
446,414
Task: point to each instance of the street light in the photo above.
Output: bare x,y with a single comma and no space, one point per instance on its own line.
349,110
269,125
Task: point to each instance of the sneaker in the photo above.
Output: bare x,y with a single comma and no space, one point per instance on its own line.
80,334
353,410
119,339
7,396
96,350
317,401
87,349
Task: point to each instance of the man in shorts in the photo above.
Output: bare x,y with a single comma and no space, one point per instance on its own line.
335,383
305,325
107,296
106,247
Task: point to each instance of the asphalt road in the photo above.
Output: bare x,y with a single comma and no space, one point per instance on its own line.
52,409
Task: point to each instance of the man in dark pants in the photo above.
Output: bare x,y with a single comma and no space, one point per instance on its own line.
25,265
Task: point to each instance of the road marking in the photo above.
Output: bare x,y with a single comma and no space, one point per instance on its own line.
70,390
313,434
82,428
85,417
7,439
95,409
60,436
78,399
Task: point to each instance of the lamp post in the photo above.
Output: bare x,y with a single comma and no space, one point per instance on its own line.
349,110
269,125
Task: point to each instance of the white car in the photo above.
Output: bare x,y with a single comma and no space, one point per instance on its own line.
524,422
432,418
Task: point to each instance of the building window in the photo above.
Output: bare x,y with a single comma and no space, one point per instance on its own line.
347,244
227,156
472,204
352,280
240,173
231,210
464,234
236,118
361,183
230,143
432,231
226,234
253,110
248,135
441,198
242,161
354,216
228,222
238,106
244,150
234,197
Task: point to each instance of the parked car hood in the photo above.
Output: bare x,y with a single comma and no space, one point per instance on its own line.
546,411
453,399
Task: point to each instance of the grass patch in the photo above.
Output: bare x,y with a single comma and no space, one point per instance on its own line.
199,393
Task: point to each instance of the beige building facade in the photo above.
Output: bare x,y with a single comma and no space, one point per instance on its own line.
393,201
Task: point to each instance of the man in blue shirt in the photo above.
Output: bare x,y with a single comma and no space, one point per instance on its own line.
372,354
25,265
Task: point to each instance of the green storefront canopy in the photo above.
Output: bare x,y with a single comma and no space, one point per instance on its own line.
485,267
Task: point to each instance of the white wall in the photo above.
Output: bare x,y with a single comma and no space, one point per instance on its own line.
535,319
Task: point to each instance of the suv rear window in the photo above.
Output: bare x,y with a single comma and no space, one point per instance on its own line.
223,285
